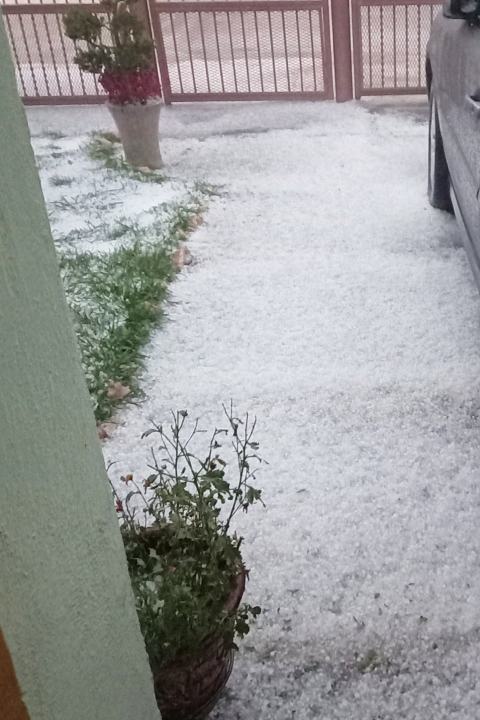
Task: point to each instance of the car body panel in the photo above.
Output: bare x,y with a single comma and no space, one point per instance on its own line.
454,65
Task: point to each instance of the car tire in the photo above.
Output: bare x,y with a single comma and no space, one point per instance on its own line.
438,174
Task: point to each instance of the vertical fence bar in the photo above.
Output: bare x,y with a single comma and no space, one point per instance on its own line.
175,49
321,40
27,49
394,46
312,47
273,52
242,22
82,82
67,64
299,51
157,33
286,51
326,53
190,54
220,64
342,50
358,70
15,54
40,54
145,11
419,44
370,66
406,44
232,52
202,36
258,50
54,61
141,10
382,47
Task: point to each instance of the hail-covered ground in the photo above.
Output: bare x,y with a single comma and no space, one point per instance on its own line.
93,208
329,299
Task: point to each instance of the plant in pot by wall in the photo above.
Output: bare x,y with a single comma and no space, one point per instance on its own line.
114,45
185,560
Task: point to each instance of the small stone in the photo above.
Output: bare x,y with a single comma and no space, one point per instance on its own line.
195,222
182,257
102,432
117,391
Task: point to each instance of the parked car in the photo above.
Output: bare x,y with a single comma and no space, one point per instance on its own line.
453,80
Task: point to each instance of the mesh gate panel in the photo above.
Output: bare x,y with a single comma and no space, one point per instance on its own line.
251,51
393,43
43,56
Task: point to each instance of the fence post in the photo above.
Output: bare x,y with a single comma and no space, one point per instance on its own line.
145,10
141,11
342,50
160,50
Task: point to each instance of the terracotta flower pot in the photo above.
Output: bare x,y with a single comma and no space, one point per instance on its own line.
188,687
137,126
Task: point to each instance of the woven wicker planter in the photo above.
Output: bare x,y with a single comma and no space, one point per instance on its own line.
188,687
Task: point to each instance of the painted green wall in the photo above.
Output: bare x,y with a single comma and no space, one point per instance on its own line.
65,601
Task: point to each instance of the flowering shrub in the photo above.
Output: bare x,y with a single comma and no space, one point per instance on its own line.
183,557
113,44
131,86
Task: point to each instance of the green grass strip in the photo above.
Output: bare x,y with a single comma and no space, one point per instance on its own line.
116,299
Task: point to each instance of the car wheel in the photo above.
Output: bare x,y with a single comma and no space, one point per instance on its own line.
438,175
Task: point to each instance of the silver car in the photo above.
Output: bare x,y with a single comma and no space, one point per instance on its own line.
453,80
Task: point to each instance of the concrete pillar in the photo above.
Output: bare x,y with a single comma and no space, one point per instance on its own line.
66,606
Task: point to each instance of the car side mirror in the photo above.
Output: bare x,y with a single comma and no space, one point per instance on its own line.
462,10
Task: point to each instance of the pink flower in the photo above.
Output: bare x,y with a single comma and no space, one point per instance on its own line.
131,86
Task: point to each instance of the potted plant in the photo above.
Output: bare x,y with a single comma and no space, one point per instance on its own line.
185,561
113,44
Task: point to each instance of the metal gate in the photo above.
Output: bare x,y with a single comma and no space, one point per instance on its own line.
239,49
389,41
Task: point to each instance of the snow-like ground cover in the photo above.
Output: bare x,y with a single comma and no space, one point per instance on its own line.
93,208
115,229
330,300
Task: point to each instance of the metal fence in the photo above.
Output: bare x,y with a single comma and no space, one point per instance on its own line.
43,55
239,49
389,41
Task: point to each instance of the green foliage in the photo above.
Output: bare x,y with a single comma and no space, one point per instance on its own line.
182,555
116,299
105,148
109,42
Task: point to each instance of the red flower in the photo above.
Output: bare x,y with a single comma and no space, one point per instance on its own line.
131,86
118,505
